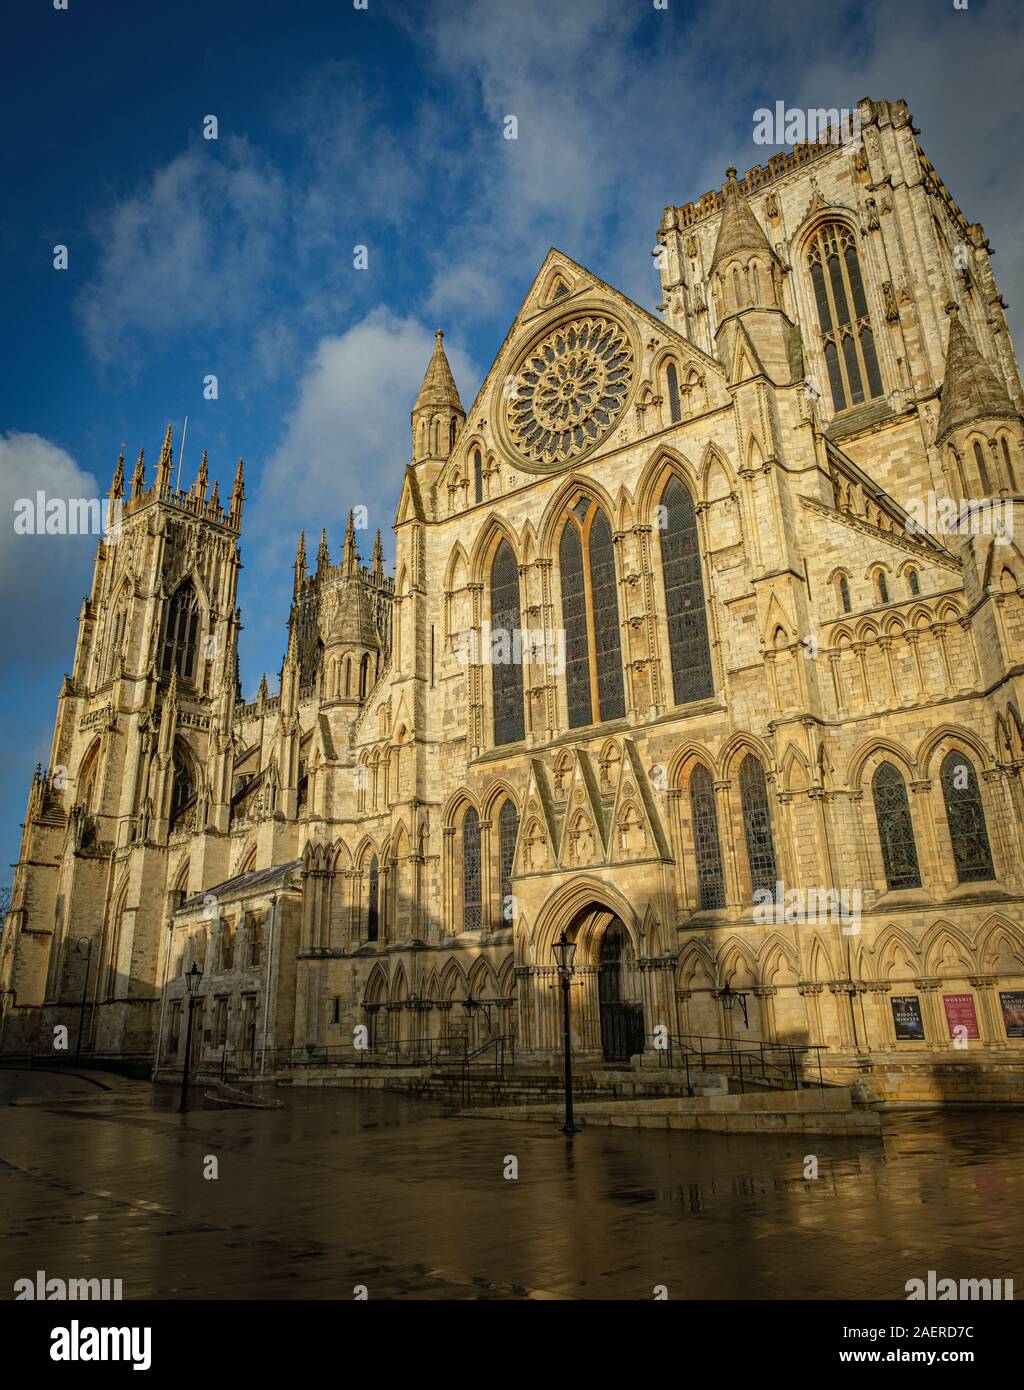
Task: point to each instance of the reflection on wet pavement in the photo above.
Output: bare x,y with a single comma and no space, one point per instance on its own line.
341,1188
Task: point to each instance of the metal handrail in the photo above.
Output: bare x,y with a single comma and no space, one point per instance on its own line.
742,1056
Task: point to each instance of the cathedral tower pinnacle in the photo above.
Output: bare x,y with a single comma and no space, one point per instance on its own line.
974,399
437,415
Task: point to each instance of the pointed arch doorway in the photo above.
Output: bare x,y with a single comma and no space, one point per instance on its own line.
622,1018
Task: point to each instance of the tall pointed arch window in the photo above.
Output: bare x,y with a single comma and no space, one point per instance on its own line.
914,580
895,828
843,318
675,409
478,476
506,673
979,459
180,630
710,879
373,901
183,784
590,616
508,830
1011,476
757,826
972,853
844,592
472,914
116,636
689,648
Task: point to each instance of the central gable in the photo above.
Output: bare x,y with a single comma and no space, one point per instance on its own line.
576,358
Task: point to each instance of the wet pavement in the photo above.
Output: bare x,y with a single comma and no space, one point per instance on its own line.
339,1188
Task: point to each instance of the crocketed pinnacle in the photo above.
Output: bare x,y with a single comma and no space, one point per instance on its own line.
739,229
438,387
971,390
117,486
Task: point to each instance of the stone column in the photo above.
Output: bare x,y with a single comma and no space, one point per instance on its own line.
990,1013
810,990
936,1030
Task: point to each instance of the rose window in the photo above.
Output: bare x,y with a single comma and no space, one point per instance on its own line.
570,389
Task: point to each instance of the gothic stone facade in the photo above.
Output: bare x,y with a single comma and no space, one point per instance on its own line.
666,665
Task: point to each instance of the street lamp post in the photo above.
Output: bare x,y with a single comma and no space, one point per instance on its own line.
484,1005
730,998
87,943
564,950
192,981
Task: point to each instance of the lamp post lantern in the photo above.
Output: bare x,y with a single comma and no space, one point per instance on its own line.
730,998
471,1006
564,952
193,978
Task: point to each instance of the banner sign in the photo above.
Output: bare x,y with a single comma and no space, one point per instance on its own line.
960,1014
906,1015
1013,1012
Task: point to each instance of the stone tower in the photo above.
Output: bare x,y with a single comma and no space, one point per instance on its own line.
136,769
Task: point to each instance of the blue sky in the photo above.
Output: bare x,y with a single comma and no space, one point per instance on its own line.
381,127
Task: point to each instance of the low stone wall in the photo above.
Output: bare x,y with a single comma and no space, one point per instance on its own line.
949,1080
827,1112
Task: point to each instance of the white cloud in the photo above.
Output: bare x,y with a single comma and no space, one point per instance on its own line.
346,444
42,578
194,246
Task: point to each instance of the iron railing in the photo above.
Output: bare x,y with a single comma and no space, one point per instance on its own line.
448,1055
782,1065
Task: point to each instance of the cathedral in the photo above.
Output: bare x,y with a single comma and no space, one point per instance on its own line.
704,646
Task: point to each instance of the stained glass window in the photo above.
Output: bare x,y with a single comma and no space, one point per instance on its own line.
179,649
843,316
372,910
895,829
757,825
844,592
966,815
506,675
574,620
914,581
607,638
590,617
710,880
689,649
478,476
472,915
508,829
883,587
674,407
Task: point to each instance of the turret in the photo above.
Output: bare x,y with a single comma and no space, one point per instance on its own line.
979,429
754,333
437,415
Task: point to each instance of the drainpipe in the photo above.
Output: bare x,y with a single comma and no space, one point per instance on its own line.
163,997
270,977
